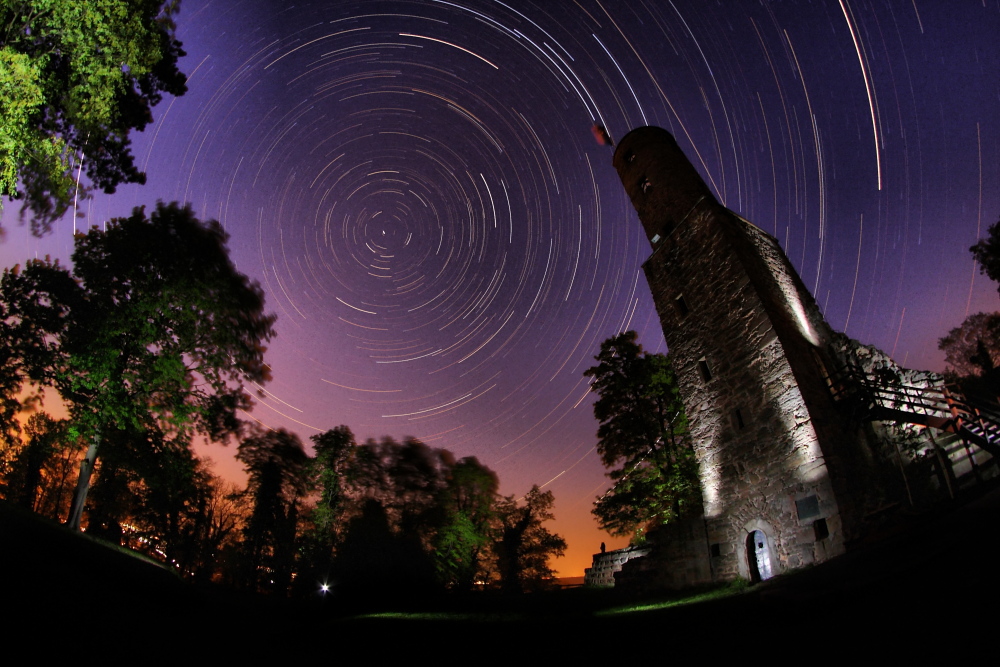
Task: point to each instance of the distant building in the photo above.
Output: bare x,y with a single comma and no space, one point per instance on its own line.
794,462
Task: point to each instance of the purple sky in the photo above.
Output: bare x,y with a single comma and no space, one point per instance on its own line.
416,186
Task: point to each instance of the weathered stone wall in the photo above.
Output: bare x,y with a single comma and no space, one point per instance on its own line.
679,557
605,565
747,343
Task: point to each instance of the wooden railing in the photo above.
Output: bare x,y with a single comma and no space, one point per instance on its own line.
883,395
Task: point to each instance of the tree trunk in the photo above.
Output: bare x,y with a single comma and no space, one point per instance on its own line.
35,456
83,484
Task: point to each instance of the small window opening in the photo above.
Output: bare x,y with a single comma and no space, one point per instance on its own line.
716,550
656,238
821,529
706,374
807,508
630,157
646,184
682,306
738,419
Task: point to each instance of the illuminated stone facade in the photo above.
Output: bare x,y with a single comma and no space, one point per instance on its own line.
780,468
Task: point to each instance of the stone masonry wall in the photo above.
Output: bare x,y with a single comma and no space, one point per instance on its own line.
605,565
746,340
757,448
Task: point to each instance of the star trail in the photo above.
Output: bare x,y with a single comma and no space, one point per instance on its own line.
416,187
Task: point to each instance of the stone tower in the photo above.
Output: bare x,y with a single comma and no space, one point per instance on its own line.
751,353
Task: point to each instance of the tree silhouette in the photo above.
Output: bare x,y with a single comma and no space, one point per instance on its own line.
406,497
332,470
35,307
150,338
641,438
972,352
376,563
75,79
462,544
26,479
278,468
974,347
987,253
524,546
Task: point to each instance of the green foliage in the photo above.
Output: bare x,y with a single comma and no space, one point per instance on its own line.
149,341
75,79
456,551
168,331
643,496
462,544
641,438
414,498
331,470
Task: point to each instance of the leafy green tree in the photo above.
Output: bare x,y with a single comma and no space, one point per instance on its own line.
75,79
523,545
461,548
333,456
641,438
332,472
278,469
151,338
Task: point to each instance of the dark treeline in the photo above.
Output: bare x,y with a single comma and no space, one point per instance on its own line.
377,518
150,342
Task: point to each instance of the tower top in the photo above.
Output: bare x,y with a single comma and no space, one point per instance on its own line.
662,183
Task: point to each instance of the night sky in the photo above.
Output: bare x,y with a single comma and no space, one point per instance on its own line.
416,187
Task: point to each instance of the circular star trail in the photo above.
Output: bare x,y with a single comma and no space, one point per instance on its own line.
417,188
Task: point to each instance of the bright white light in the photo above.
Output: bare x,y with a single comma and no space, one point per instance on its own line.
325,588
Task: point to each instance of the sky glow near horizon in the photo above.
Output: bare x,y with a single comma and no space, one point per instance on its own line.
416,187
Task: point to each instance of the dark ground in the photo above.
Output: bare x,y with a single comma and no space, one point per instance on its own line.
927,587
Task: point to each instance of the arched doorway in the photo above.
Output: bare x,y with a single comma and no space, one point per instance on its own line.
758,556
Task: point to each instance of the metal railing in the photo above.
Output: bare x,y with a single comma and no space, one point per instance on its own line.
883,395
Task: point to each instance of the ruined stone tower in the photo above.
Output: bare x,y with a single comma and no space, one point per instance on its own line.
751,352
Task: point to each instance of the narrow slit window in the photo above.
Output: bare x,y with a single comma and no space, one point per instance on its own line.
706,373
738,419
821,530
682,307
